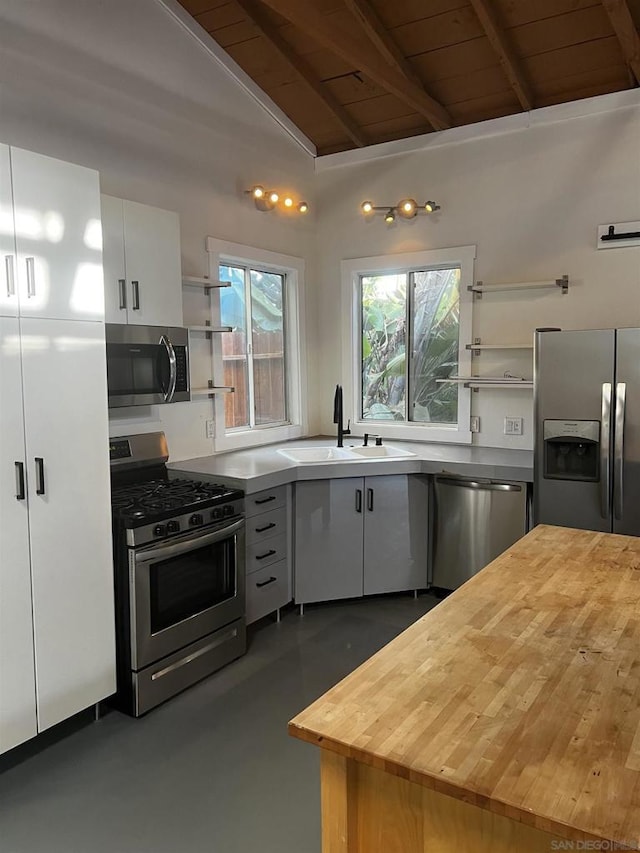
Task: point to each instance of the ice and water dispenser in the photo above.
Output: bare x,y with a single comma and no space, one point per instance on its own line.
571,450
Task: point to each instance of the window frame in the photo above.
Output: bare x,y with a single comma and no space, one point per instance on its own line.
406,262
292,268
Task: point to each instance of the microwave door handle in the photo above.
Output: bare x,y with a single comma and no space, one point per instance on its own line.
173,369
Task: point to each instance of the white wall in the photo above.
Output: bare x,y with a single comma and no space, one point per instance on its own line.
531,200
118,86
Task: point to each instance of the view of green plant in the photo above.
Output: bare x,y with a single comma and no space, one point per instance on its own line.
390,391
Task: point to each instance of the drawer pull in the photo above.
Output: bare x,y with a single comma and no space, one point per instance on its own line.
266,500
266,527
268,554
265,583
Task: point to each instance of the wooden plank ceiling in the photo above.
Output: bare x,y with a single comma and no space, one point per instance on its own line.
351,73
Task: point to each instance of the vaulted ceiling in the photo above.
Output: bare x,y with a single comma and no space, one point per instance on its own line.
351,73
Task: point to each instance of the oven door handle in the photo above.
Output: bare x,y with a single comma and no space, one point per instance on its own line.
173,368
194,542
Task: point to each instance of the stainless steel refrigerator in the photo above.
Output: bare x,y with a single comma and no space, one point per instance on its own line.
587,430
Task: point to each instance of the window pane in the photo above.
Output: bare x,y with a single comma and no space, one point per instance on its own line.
234,347
435,327
384,311
267,332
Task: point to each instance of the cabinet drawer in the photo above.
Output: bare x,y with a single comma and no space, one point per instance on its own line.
266,525
264,501
261,554
267,590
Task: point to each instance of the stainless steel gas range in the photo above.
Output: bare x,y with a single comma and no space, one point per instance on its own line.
179,574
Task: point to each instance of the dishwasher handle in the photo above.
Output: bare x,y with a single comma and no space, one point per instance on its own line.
478,484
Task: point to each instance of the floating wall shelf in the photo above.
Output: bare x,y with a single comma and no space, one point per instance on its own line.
201,281
477,382
481,287
477,346
209,329
210,390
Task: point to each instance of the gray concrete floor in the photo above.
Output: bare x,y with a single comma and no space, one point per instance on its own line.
211,771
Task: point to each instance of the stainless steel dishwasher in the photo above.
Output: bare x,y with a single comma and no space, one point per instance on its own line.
475,520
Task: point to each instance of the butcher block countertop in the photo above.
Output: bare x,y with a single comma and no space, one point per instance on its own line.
519,693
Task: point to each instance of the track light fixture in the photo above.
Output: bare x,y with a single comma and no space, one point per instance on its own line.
271,199
406,208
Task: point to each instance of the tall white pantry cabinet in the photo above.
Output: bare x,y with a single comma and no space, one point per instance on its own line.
57,643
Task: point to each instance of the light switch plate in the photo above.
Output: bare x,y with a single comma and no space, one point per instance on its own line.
474,423
513,426
210,426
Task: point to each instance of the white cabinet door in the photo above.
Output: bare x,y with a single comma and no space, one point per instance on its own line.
328,539
8,283
396,531
116,294
58,238
65,401
17,687
152,260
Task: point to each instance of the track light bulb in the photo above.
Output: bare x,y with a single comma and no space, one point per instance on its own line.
407,208
273,197
366,207
303,207
430,206
288,202
257,192
389,216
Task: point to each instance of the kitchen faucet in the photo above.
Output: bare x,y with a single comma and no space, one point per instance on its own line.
338,415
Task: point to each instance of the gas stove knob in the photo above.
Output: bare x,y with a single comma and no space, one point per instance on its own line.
173,527
159,530
228,509
216,513
195,520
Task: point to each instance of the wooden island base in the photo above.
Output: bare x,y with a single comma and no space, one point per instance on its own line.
365,810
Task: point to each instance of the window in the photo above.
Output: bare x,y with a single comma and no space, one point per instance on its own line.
410,320
262,358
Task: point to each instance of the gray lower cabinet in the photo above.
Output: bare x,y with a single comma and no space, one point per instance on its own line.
268,550
360,536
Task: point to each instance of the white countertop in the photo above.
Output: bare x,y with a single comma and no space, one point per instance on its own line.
263,468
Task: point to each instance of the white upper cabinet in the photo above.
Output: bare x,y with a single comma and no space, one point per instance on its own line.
58,238
8,284
142,269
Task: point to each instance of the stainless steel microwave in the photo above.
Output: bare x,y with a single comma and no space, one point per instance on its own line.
146,365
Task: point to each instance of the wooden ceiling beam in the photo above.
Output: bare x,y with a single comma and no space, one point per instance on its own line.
255,12
368,19
306,18
626,32
501,45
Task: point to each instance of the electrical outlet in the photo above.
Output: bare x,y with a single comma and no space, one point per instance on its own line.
513,426
210,428
474,423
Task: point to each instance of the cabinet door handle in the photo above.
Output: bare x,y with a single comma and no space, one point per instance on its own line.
122,286
31,277
266,500
11,279
358,500
135,290
265,583
20,492
266,527
269,553
40,489
370,500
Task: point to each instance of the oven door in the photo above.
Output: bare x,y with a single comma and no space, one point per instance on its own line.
184,589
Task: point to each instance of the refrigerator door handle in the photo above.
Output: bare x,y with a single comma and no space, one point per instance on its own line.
605,432
618,450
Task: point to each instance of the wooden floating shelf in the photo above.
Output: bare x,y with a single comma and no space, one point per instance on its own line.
480,287
209,391
210,328
201,281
